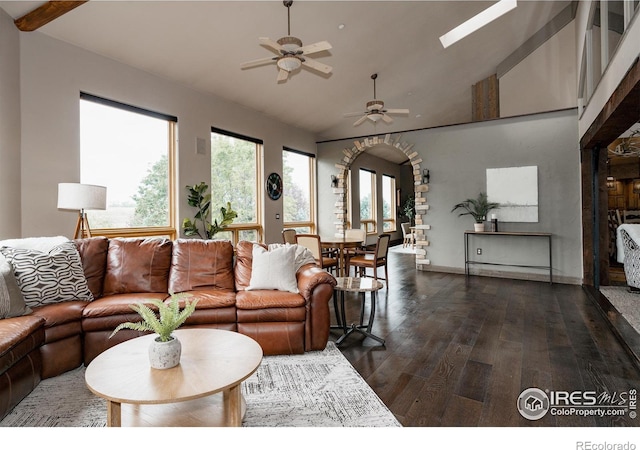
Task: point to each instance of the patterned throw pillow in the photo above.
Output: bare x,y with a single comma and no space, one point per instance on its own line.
11,300
51,277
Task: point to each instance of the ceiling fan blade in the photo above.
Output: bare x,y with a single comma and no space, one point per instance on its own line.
257,62
315,48
282,75
387,119
273,45
353,114
397,111
320,67
359,121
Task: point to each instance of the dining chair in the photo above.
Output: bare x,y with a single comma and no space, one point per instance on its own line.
357,233
312,242
408,236
289,236
373,259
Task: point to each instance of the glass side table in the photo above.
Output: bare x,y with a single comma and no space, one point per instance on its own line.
360,286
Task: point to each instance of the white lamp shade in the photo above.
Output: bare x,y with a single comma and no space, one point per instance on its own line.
77,196
289,63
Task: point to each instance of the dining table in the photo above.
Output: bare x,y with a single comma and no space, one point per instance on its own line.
341,244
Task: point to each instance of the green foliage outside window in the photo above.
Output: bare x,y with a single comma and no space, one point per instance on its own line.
233,176
152,199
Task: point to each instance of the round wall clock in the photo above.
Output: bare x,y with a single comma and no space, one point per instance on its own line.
274,186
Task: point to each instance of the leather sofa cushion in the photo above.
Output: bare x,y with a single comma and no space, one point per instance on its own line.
268,299
201,264
137,265
115,305
93,254
18,337
244,260
211,298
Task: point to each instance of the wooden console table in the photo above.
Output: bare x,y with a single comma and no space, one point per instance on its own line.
468,262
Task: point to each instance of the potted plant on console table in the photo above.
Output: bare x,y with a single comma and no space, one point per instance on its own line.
165,349
478,208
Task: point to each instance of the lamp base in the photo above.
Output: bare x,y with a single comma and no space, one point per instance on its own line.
82,226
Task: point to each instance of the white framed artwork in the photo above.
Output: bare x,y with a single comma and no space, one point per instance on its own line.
516,189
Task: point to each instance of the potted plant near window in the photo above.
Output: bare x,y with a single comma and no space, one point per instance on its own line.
201,200
478,208
165,349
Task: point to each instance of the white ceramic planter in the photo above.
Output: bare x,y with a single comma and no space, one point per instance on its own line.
478,226
165,355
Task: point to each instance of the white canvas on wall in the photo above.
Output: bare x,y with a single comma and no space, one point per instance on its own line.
516,189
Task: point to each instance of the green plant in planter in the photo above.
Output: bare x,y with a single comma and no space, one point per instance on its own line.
478,207
409,208
200,199
169,317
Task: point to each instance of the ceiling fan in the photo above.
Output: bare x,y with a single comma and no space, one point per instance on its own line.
626,146
291,53
375,109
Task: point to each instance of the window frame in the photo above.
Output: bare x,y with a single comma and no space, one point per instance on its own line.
170,231
394,207
236,228
311,224
370,225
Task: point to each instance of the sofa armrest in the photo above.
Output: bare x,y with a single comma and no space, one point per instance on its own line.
310,276
317,287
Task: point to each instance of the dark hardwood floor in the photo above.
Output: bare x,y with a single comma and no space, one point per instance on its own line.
459,352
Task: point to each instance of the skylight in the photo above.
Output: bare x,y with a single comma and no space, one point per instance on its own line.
478,21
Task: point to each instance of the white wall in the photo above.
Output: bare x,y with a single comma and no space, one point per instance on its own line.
9,128
52,75
458,156
545,80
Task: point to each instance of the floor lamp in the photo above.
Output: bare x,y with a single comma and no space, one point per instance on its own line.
80,197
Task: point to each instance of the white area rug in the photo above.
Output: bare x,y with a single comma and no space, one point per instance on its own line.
316,389
627,303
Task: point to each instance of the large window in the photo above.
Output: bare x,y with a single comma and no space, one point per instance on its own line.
235,171
130,151
388,203
367,180
298,173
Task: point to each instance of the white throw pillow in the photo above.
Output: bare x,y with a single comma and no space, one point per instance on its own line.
11,299
273,269
49,277
303,254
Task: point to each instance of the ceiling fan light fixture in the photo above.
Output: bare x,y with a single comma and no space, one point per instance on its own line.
289,63
374,116
375,105
290,43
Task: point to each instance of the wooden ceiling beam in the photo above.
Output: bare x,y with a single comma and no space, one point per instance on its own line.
44,14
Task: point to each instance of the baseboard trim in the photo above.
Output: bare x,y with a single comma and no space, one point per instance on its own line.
506,274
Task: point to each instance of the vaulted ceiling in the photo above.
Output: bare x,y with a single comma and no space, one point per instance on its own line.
202,44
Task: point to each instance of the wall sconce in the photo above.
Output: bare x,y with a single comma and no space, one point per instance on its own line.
636,186
425,176
611,183
334,181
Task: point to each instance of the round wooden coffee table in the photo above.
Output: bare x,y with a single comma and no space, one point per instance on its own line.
203,390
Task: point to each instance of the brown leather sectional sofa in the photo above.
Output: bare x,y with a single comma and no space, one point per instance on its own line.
59,337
